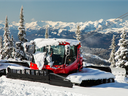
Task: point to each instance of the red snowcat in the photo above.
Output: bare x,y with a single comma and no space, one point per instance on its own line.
64,54
57,62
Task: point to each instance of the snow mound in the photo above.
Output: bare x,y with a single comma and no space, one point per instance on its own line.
5,65
89,74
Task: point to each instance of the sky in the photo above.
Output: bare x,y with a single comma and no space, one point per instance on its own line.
62,10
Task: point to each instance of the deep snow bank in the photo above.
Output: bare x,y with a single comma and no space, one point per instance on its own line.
89,74
10,87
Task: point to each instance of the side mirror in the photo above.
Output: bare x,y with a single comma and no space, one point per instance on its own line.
67,50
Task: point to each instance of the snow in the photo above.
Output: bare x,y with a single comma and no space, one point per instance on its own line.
120,74
40,42
15,87
89,74
39,59
72,26
5,65
33,25
11,65
94,56
49,59
122,52
17,67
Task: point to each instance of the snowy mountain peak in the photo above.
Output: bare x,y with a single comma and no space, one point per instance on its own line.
1,21
71,26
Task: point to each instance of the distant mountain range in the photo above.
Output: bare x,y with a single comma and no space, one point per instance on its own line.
98,39
94,42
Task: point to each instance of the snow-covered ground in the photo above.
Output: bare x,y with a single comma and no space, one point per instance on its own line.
15,87
94,56
89,74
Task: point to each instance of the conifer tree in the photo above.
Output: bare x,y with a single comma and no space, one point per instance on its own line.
122,53
12,41
14,53
1,43
7,48
46,32
18,52
22,33
112,54
78,33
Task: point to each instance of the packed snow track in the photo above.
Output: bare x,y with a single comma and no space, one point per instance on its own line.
15,87
87,77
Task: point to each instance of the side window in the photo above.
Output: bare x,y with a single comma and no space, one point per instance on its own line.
73,51
41,49
38,50
72,57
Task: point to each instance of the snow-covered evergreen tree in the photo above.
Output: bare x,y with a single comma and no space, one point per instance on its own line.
18,52
14,53
112,54
78,33
12,41
1,43
122,53
22,33
7,48
46,32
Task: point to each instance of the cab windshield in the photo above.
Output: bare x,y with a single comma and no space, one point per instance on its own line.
56,52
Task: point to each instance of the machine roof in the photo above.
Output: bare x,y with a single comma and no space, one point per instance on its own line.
41,42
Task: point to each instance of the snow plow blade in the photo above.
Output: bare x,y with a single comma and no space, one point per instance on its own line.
58,80
39,76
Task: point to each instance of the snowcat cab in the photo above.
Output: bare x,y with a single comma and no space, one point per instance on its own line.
57,55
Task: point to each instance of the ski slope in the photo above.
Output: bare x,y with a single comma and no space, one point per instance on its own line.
15,87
